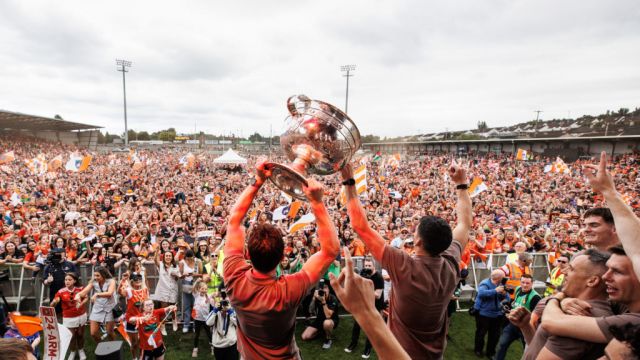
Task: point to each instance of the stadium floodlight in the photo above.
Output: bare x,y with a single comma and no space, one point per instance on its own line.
348,69
122,67
126,63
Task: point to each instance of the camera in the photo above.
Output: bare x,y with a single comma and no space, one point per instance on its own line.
223,294
366,273
224,303
54,257
321,288
506,306
504,284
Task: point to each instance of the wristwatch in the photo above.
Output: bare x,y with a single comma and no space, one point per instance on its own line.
462,186
254,182
349,182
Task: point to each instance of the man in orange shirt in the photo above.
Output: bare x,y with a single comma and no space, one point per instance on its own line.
266,304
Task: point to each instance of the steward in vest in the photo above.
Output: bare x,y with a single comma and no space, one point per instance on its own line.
524,296
513,272
556,276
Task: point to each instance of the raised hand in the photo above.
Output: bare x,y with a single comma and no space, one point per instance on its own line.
458,173
347,172
263,170
598,176
355,293
314,190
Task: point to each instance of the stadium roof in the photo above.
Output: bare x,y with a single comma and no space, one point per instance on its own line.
518,140
18,121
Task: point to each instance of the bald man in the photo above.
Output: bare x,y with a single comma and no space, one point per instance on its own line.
491,293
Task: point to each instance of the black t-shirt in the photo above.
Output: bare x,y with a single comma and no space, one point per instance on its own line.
378,284
332,304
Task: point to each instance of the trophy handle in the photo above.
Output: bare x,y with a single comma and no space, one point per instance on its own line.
288,180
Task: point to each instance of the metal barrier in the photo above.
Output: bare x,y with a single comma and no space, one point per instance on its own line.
19,286
22,284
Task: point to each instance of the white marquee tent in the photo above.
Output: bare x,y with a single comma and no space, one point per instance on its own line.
230,157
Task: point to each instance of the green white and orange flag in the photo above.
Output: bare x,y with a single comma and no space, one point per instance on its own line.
376,158
477,186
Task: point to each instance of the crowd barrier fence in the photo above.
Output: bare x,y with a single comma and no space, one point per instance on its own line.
27,292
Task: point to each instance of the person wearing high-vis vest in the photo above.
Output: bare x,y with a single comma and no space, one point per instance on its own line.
514,272
556,276
524,296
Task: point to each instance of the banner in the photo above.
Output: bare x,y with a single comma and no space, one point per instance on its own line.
205,234
56,336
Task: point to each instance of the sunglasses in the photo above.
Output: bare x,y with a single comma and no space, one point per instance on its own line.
562,261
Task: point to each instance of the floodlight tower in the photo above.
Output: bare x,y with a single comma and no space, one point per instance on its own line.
122,65
348,69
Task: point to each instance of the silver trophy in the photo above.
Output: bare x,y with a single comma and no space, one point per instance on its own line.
320,139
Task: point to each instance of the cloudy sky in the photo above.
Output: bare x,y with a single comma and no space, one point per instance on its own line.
229,66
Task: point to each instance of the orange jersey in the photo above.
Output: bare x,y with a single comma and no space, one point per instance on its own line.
146,329
135,298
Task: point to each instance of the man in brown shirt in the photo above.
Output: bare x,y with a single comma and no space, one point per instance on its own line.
583,280
422,284
623,289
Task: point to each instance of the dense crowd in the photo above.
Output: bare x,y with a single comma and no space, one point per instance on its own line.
153,208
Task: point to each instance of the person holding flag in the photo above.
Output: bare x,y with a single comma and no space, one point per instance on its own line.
134,289
148,324
74,313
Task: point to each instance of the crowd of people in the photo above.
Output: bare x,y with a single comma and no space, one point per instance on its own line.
196,224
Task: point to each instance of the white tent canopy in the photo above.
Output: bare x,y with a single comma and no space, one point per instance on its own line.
230,157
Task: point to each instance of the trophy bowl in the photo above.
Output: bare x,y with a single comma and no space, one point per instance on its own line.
320,139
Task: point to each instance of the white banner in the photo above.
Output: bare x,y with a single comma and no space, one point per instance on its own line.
204,234
56,337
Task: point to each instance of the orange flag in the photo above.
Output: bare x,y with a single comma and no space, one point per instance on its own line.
293,209
86,161
121,330
26,325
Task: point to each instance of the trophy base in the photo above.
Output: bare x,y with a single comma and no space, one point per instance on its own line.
288,180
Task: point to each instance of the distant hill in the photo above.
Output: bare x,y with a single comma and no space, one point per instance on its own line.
612,123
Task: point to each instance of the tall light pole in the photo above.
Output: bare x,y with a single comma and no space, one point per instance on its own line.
537,120
348,69
122,65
